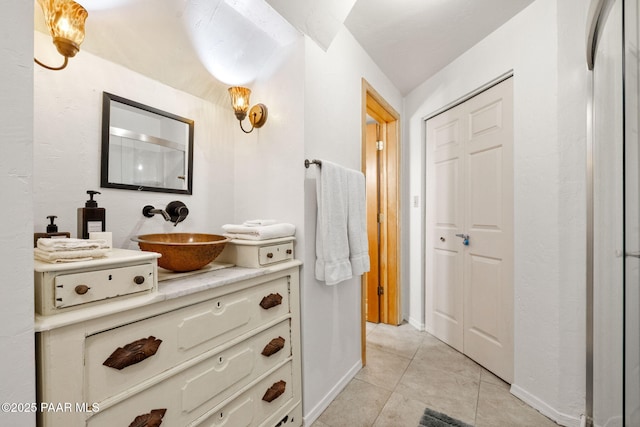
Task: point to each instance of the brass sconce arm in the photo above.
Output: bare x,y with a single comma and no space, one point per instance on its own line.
240,103
64,64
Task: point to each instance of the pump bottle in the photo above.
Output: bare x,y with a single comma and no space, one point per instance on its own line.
52,232
90,218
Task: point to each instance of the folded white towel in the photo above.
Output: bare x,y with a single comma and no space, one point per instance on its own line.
261,232
68,244
258,222
68,256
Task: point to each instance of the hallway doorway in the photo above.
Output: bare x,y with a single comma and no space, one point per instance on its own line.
380,164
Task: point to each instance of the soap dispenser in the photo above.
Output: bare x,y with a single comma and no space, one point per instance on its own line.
91,218
52,232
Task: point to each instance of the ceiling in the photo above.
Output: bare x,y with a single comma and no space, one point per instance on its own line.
234,40
411,40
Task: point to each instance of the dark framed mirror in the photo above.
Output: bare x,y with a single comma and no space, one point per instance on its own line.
145,149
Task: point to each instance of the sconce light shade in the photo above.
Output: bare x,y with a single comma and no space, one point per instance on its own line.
65,20
240,103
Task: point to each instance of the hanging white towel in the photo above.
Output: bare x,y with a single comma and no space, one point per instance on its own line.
357,223
340,223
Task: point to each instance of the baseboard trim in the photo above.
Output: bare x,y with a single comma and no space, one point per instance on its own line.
544,408
416,323
311,416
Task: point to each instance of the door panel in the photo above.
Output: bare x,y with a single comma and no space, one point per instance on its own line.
485,178
470,192
488,336
447,200
446,221
485,298
447,295
485,119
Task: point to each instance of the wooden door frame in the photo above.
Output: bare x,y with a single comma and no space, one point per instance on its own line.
377,107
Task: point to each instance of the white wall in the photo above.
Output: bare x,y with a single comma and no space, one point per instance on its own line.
543,47
269,171
332,115
16,154
572,104
67,141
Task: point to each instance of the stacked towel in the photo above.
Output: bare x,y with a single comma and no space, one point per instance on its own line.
259,222
342,246
259,230
70,250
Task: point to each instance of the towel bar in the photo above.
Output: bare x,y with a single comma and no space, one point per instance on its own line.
308,162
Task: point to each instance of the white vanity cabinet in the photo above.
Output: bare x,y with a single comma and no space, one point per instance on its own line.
216,349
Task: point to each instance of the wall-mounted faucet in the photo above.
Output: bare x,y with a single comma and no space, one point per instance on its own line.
175,212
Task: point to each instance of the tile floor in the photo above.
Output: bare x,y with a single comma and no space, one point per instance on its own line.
409,370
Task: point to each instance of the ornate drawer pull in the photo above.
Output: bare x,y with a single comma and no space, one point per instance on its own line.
274,346
152,419
274,391
271,300
133,353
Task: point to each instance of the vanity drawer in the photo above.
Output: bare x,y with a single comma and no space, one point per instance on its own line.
249,409
154,345
169,402
258,253
275,253
88,286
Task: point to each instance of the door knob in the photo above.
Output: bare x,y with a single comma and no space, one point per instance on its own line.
465,238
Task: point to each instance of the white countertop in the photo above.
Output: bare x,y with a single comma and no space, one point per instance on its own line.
168,289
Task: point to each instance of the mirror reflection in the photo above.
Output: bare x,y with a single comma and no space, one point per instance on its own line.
144,148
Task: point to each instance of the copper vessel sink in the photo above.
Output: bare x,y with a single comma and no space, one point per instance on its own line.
183,251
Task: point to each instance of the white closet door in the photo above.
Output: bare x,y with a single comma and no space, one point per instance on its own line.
445,198
470,193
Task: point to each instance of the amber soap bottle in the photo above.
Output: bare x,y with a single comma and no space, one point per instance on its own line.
90,218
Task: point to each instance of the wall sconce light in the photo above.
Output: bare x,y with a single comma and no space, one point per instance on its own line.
240,103
65,20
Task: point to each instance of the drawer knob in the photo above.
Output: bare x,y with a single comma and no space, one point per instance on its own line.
289,251
138,280
271,300
270,255
274,391
152,419
133,353
274,346
81,289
